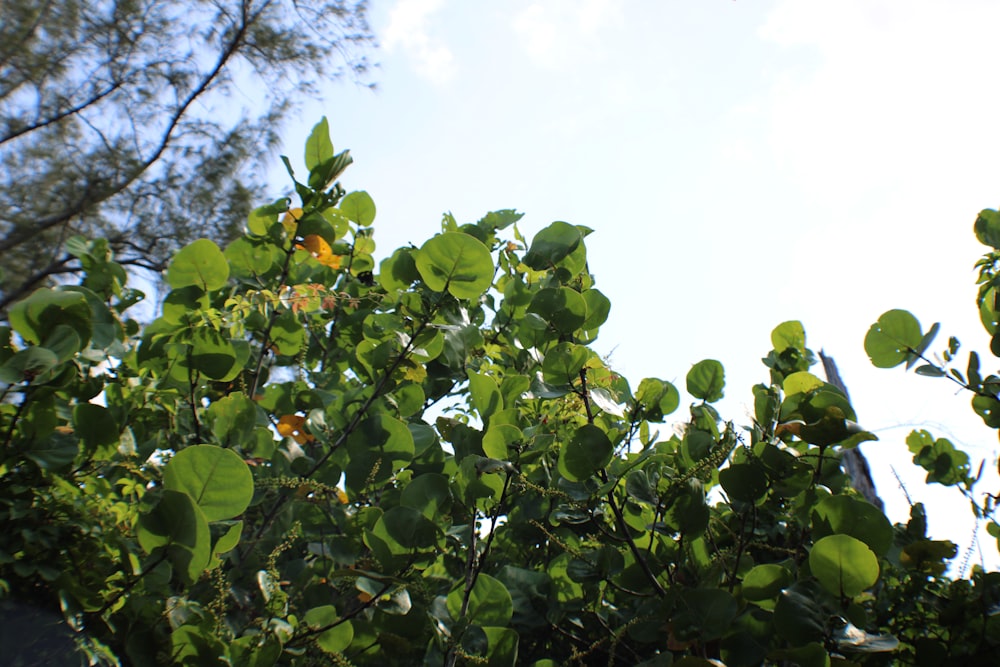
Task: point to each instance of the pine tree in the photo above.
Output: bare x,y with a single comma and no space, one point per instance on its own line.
147,121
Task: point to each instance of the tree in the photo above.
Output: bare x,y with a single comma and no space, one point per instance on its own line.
310,459
124,120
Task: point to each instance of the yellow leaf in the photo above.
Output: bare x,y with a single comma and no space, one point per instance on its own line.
290,221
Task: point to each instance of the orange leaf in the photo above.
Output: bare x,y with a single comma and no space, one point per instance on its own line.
291,426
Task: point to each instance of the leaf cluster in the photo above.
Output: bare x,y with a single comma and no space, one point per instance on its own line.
309,457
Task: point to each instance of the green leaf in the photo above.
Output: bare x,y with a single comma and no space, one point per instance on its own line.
212,353
563,363
95,425
587,452
407,528
429,494
485,394
28,364
499,441
562,307
228,540
789,334
890,340
319,148
765,582
489,602
704,614
987,228
179,525
501,646
706,380
332,640
801,382
655,399
53,452
455,262
857,518
200,264
217,479
598,309
36,316
398,271
378,448
845,566
552,244
744,481
358,207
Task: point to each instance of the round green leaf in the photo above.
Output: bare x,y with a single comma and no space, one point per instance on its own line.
552,244
744,481
656,398
34,317
706,380
562,364
987,227
588,451
789,334
456,262
499,439
765,582
212,353
800,383
562,307
398,271
845,566
407,528
27,364
889,341
598,309
334,639
177,523
428,493
489,602
857,518
217,479
358,207
379,441
201,264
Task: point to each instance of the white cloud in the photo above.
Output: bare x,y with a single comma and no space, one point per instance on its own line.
558,33
408,29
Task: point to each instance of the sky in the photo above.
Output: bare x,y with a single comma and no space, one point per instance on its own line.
742,163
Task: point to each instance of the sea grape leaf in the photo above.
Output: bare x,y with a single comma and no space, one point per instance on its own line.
455,262
200,264
588,451
844,565
319,148
552,244
706,380
489,602
890,340
217,479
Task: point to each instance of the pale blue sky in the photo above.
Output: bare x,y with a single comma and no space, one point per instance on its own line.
743,163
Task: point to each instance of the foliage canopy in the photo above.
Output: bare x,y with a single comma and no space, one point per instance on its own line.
308,458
